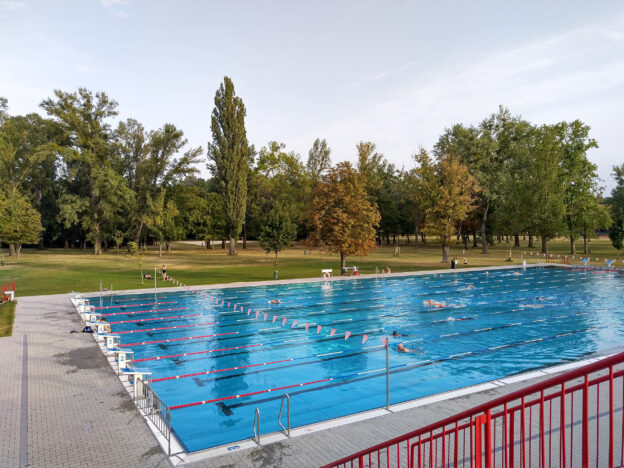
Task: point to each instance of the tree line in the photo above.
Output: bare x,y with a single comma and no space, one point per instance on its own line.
74,177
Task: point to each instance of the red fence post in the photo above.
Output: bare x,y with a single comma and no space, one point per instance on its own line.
611,415
477,442
562,423
585,424
488,438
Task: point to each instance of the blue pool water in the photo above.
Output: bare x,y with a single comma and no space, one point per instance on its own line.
490,325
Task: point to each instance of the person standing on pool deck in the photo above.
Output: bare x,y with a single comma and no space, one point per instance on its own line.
164,272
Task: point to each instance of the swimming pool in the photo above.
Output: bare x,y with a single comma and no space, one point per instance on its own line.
462,328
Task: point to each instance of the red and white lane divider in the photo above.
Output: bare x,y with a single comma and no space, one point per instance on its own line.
156,318
144,311
142,330
171,356
233,397
176,339
133,305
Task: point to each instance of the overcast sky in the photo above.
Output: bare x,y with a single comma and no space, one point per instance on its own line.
395,73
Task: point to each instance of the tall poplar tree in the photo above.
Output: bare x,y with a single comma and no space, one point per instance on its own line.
228,157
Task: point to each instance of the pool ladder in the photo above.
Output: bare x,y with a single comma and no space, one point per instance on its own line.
257,424
285,430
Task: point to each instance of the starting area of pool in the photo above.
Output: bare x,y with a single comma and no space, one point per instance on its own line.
218,354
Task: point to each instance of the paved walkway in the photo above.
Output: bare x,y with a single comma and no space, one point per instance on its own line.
61,405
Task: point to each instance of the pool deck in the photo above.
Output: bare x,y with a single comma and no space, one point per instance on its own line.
61,404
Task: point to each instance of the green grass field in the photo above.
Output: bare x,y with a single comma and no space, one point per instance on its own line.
7,315
60,271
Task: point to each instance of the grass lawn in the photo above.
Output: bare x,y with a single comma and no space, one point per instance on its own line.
7,315
60,271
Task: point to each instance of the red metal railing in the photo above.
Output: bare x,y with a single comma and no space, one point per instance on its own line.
556,422
5,288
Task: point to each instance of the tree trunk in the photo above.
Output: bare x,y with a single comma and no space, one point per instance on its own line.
343,263
83,244
223,244
167,246
572,246
466,237
544,245
18,249
275,257
445,253
474,240
531,245
245,239
11,250
232,247
137,236
516,240
160,249
423,237
407,239
585,243
416,233
66,244
97,244
483,232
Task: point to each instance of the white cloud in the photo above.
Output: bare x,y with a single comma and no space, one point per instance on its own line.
116,7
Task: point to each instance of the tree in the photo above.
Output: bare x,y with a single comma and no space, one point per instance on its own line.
616,201
422,181
149,163
544,186
89,157
161,220
319,160
342,218
616,234
228,156
483,150
452,199
278,232
579,176
20,223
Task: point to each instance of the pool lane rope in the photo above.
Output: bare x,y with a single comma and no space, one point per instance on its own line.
132,305
144,330
151,319
144,311
396,368
175,339
170,356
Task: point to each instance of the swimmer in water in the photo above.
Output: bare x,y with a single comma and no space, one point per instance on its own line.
516,273
275,301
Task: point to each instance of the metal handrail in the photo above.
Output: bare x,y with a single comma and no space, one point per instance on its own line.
154,409
279,418
257,418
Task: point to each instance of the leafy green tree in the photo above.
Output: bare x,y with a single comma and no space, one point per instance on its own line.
319,160
228,156
579,176
20,222
161,220
616,201
452,198
342,218
149,163
278,232
89,157
422,182
483,150
544,185
616,234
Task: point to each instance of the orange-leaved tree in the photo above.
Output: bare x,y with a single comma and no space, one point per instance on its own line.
341,218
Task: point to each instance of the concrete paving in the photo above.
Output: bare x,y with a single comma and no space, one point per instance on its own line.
60,402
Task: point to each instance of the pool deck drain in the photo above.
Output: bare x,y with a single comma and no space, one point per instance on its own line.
79,414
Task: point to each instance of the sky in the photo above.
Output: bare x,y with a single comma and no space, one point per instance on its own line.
396,73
